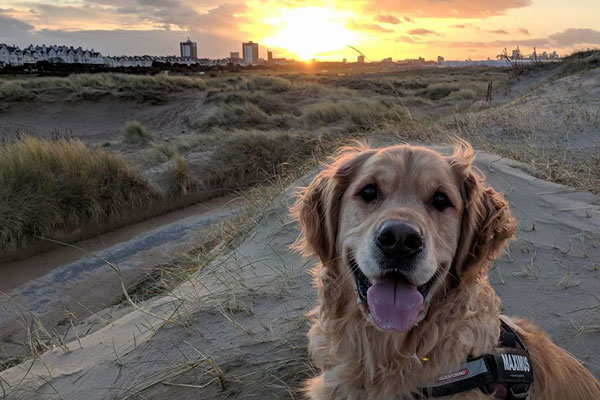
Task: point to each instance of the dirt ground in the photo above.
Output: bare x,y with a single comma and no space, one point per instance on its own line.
97,122
236,329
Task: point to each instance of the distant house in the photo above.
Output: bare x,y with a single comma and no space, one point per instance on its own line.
13,55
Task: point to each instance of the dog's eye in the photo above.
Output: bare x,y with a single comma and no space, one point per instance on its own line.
368,193
440,201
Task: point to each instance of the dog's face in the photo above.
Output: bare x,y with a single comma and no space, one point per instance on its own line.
399,227
405,224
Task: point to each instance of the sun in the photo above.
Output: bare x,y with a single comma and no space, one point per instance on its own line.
308,32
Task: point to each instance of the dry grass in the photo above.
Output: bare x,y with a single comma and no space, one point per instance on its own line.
515,132
454,91
269,84
245,115
580,61
360,114
54,185
269,104
246,158
133,132
179,178
94,86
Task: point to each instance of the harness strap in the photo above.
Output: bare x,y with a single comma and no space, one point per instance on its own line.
505,372
470,375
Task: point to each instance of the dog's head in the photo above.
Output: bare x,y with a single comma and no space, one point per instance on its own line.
405,223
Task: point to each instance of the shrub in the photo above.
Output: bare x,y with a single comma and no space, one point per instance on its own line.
179,179
14,91
94,86
580,61
248,157
269,84
269,104
438,91
134,132
166,149
54,185
245,115
324,113
463,94
363,114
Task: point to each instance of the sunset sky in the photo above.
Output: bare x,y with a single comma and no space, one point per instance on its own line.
304,29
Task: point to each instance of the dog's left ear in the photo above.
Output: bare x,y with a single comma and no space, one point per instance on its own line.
486,223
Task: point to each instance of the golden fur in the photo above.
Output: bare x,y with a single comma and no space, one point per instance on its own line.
461,317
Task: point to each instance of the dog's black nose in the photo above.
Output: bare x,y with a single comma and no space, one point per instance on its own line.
399,240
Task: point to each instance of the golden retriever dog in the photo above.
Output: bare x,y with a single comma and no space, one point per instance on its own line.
405,236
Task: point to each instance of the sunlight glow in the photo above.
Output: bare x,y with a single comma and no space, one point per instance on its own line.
308,32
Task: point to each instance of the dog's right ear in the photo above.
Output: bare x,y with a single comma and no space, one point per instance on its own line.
317,206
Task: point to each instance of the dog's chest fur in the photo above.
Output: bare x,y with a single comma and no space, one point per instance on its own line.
359,361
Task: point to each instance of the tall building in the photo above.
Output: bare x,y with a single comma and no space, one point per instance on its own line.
234,55
189,50
360,59
269,56
250,52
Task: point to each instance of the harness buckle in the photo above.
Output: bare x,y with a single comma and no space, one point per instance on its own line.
517,392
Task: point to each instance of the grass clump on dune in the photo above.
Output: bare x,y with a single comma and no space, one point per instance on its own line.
246,158
179,178
580,61
84,85
134,132
363,114
245,115
55,185
268,103
269,84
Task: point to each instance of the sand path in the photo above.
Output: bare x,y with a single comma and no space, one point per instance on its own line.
236,329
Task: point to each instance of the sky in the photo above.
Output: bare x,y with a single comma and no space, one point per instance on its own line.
306,29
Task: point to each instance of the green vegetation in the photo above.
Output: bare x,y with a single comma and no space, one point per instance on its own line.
250,128
94,86
580,61
242,115
362,114
179,178
246,158
269,84
56,185
267,103
134,132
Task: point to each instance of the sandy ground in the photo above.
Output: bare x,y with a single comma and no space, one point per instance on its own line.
236,329
546,113
69,284
96,122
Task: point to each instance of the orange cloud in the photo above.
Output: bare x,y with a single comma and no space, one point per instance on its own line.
422,32
387,19
368,27
448,8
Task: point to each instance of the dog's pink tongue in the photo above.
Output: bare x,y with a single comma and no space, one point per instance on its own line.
394,304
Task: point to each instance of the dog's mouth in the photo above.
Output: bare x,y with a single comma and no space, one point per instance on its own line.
393,302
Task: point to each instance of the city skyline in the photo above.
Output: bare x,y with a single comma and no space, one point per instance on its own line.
305,29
